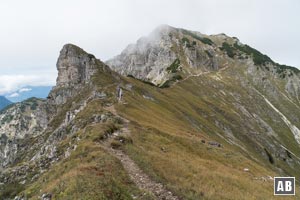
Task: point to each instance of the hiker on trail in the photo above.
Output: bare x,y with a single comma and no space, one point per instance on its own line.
119,94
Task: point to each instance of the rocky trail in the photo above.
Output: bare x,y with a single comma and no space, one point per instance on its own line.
202,73
189,76
142,180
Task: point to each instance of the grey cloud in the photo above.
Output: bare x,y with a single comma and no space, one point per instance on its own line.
33,31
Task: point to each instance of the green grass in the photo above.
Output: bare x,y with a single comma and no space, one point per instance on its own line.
177,123
166,141
204,40
89,173
146,82
10,190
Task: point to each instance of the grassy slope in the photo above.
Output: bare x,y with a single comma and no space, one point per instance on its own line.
181,117
89,172
167,134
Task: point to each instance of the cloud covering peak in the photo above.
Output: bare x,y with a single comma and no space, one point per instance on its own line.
33,31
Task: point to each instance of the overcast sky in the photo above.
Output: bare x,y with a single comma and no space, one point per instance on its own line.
33,31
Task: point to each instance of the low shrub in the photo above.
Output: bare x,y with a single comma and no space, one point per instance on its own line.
174,66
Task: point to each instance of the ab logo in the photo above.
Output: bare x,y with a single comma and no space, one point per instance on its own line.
284,185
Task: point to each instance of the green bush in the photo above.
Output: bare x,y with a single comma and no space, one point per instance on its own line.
261,59
174,66
206,41
202,39
166,84
185,40
176,77
187,43
258,58
281,68
230,50
169,82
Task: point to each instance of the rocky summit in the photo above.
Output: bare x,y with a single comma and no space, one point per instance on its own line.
178,115
74,66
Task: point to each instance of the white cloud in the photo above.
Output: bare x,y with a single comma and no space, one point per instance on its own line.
15,94
13,83
24,90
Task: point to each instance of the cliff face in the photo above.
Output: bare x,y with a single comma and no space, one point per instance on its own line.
27,119
148,58
74,66
152,58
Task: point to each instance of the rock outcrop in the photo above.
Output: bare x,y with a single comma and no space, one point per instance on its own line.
33,118
148,58
169,54
164,52
74,66
24,120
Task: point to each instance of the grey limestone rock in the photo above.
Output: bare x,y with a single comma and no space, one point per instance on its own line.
151,56
74,66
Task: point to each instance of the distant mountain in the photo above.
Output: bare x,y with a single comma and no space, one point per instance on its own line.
4,102
28,92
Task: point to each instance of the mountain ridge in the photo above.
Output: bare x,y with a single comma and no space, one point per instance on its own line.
196,51
28,92
4,102
222,130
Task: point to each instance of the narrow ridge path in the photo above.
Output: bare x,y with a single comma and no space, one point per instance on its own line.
142,180
201,73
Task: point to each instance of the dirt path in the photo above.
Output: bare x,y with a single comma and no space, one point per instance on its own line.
141,179
201,73
189,76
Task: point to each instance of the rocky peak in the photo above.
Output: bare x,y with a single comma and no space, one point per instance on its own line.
75,69
170,54
166,53
74,66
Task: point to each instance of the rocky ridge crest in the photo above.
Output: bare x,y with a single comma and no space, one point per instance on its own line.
236,95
